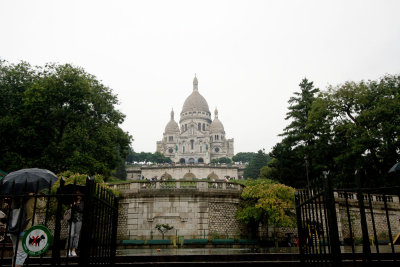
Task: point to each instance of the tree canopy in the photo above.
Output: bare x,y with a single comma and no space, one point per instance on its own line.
268,202
58,117
256,163
156,157
222,160
349,127
243,157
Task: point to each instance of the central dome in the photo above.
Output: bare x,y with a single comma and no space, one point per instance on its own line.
195,101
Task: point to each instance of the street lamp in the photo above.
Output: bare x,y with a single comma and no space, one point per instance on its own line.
306,161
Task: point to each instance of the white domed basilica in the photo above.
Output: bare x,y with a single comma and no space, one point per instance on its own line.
198,139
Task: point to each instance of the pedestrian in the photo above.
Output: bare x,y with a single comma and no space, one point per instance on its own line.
75,224
21,214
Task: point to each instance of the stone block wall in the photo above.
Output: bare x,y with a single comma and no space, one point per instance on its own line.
222,221
379,216
193,213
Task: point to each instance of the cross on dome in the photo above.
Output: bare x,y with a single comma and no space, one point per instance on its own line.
195,83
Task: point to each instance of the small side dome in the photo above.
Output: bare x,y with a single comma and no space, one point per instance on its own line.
172,126
216,126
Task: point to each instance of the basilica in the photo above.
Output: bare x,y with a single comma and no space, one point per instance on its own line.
197,138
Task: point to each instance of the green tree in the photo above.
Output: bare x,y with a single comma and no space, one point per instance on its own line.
222,160
58,117
253,169
130,158
349,127
267,202
120,171
294,161
364,127
157,157
243,157
163,228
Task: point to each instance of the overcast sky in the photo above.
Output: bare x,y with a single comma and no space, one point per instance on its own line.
249,56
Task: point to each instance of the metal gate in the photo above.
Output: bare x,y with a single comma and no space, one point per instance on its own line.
347,226
97,242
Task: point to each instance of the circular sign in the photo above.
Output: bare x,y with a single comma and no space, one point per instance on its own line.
36,240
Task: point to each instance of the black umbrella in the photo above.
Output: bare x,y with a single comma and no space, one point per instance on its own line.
27,181
395,168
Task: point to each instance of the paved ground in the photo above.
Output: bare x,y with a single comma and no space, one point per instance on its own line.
203,251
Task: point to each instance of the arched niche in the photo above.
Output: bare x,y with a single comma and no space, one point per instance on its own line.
189,175
212,176
166,176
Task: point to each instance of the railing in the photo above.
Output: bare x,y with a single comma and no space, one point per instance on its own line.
334,224
99,224
374,197
181,185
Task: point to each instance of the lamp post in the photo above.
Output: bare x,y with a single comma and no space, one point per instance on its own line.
306,162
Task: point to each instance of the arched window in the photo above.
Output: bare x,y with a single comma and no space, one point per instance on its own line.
183,149
191,144
182,161
204,126
201,149
199,126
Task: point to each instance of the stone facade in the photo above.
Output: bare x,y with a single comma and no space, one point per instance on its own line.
178,171
194,209
198,139
194,171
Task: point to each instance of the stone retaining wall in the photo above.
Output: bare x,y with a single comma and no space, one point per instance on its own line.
194,211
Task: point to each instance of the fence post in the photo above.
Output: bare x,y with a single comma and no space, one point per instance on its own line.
86,232
363,220
332,221
114,230
300,230
55,254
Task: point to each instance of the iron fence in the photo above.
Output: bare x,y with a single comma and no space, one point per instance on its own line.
97,242
359,225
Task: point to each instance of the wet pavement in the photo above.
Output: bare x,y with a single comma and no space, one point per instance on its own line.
203,251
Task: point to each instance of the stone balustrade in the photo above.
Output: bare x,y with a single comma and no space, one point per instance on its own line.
203,186
374,197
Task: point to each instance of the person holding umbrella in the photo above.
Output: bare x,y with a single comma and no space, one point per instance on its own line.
22,221
26,183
